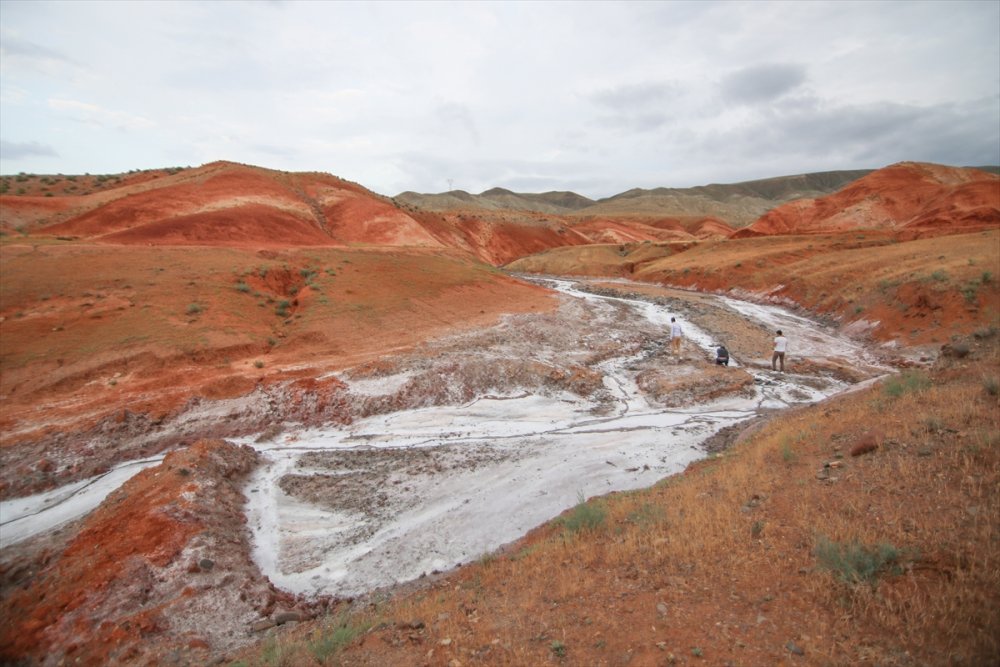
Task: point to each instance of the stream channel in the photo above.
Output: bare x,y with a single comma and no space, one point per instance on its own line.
343,510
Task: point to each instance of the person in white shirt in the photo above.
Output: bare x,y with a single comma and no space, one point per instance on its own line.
780,345
675,336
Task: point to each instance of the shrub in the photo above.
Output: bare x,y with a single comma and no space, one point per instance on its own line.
585,516
558,648
904,383
242,287
787,453
193,309
992,386
258,364
856,563
335,635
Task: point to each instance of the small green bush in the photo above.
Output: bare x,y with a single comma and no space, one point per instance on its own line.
905,383
855,563
336,633
558,648
585,516
940,276
242,287
194,309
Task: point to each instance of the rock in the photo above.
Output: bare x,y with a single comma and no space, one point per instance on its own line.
262,624
797,650
445,642
206,564
661,608
866,443
289,617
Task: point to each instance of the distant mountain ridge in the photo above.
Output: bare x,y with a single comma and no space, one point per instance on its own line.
737,203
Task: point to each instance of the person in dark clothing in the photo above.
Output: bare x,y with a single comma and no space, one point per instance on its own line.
722,356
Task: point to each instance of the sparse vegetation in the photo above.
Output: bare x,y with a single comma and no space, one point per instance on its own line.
940,276
855,563
911,381
334,634
585,516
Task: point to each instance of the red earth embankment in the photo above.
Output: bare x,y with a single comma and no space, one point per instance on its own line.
235,205
99,340
916,200
165,556
913,292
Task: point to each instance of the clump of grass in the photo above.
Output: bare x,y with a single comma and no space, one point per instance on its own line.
906,383
194,308
647,515
970,291
558,648
242,287
991,385
854,563
585,516
335,634
787,453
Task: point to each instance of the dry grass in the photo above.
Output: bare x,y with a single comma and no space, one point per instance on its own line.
720,563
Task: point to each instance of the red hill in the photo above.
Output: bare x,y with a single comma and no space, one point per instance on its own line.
914,199
229,204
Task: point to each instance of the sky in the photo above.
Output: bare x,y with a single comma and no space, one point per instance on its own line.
592,97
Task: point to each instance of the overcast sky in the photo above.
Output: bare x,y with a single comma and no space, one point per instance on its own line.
591,97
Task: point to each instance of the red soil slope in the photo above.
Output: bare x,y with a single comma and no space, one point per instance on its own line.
628,229
916,200
232,205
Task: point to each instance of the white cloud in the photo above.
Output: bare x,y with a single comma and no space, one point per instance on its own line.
597,97
10,150
96,115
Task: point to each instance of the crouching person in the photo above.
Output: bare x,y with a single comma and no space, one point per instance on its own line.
722,356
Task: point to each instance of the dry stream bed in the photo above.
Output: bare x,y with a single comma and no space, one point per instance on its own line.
471,441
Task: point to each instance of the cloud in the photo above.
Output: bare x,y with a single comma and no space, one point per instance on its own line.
637,107
630,96
453,116
11,47
13,150
864,136
762,83
94,114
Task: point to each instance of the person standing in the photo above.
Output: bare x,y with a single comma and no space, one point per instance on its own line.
676,333
780,345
